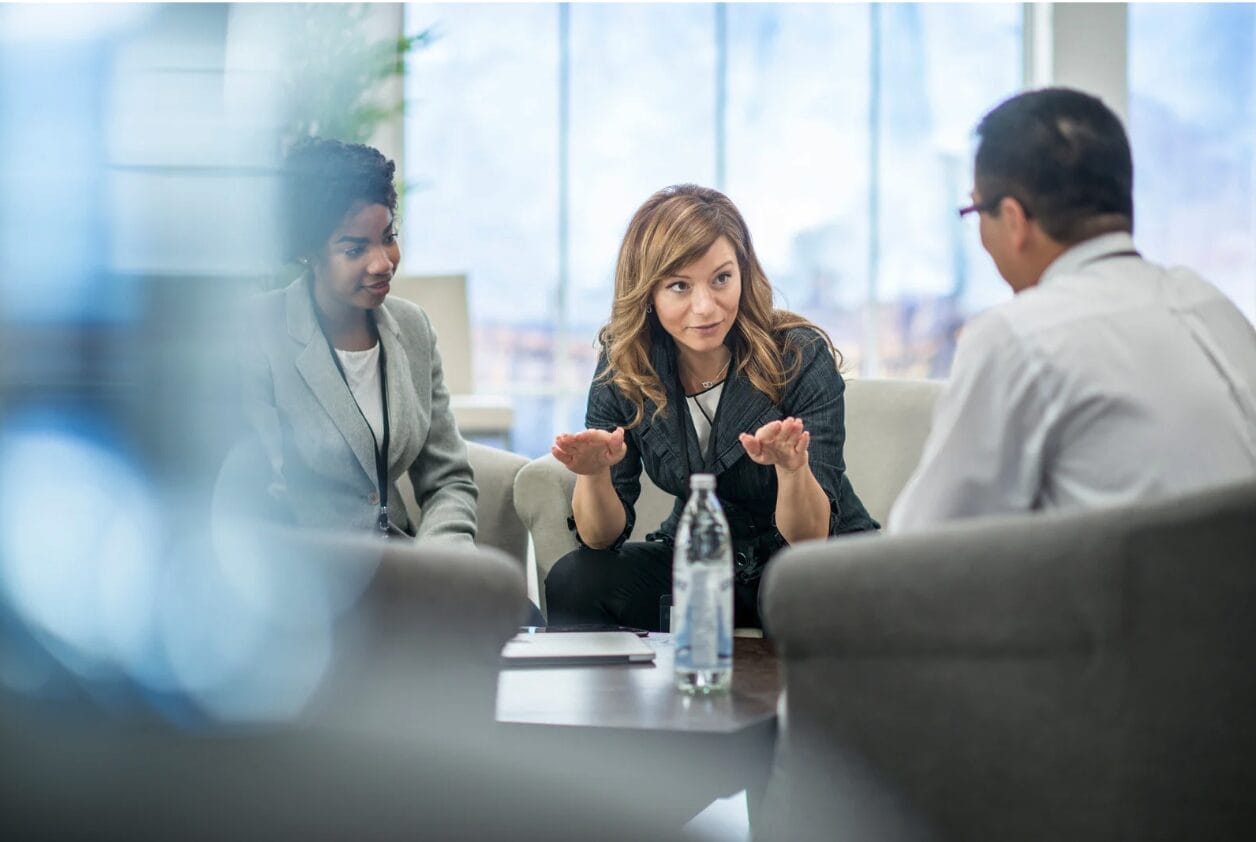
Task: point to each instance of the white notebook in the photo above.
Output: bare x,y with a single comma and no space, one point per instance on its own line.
528,649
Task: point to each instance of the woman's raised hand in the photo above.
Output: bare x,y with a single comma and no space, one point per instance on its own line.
591,451
781,443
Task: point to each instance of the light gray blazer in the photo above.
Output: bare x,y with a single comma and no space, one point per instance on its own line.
320,448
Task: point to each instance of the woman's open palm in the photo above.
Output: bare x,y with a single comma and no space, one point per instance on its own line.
782,443
590,451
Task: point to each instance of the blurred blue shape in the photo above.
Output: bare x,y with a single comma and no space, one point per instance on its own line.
54,241
136,197
79,532
239,652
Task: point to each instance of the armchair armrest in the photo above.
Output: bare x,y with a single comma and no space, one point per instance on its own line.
543,490
497,520
1021,586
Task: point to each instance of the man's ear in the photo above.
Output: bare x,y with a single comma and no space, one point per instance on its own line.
1016,223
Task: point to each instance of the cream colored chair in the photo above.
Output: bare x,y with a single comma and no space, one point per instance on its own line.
497,521
887,422
444,299
543,490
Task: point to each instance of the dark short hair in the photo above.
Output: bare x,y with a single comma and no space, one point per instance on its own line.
1063,155
322,181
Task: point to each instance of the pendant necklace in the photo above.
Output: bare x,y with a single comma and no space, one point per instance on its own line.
707,384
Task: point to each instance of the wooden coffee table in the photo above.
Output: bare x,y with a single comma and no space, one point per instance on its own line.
628,726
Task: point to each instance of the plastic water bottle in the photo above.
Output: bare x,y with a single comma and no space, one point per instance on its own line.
702,592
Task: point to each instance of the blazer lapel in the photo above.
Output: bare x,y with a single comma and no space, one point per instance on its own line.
403,407
743,409
662,357
320,373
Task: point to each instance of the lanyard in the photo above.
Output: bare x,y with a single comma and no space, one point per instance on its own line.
381,450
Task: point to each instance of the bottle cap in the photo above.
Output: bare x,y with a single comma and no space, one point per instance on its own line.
704,482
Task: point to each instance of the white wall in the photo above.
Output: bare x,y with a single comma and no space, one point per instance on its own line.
1089,42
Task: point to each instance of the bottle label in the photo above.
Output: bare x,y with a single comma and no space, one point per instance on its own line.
703,607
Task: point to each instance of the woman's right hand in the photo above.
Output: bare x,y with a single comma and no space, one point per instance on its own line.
591,451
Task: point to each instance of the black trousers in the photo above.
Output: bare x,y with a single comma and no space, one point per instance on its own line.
623,587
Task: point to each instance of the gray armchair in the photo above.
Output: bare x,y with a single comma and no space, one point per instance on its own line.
1038,677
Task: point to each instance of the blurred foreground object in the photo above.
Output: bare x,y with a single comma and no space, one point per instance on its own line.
396,740
162,677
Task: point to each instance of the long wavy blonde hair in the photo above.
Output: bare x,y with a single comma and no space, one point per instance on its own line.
671,230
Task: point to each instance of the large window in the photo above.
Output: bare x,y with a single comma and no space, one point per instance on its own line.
1192,118
843,132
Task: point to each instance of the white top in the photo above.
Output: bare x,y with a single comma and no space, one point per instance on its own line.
702,408
362,374
1113,380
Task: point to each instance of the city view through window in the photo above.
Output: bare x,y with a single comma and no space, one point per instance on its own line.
842,132
1192,125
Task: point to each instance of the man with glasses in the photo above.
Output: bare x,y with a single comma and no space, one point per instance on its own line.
1106,379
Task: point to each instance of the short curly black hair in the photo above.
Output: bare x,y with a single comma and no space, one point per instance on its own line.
322,181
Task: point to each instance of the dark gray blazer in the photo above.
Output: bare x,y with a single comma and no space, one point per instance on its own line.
746,490
321,450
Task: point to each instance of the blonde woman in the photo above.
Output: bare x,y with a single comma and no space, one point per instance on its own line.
699,373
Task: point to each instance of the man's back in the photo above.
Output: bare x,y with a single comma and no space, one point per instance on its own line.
1112,380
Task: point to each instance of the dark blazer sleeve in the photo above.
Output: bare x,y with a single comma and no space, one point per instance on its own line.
816,396
606,410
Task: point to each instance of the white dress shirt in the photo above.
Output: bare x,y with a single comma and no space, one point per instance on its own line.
1112,380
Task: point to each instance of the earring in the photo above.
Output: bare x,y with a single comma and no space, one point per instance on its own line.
649,308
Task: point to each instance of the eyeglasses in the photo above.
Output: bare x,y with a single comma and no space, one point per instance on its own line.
991,204
980,207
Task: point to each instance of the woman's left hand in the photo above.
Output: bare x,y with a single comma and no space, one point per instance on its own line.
780,443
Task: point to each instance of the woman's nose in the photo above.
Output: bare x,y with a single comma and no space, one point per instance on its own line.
381,262
702,300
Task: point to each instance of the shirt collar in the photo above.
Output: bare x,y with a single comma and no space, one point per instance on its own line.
1086,251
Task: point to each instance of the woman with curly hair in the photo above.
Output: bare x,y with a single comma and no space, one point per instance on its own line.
344,385
699,372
